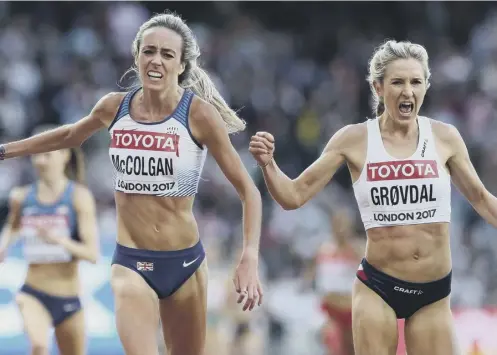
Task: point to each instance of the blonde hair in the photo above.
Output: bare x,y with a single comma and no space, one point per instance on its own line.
387,53
193,77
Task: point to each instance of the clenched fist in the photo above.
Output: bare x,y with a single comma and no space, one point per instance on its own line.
262,147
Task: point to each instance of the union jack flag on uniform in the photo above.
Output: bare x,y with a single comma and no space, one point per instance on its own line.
144,266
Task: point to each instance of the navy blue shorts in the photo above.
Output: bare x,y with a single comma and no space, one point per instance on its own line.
60,308
164,271
405,298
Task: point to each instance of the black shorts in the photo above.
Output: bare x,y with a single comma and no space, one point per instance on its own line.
164,271
405,298
60,308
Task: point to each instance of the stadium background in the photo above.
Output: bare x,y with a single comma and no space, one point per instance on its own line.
294,69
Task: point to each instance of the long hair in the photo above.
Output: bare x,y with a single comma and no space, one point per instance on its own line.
193,77
75,168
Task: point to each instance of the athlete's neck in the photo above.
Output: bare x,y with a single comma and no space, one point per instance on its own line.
404,129
52,184
160,103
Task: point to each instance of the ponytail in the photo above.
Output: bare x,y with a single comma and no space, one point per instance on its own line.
193,77
380,107
201,84
75,169
198,80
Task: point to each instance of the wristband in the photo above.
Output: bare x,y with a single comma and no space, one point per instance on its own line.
2,152
269,161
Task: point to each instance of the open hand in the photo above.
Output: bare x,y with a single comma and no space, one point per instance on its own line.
247,283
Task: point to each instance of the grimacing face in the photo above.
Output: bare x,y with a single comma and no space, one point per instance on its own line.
403,89
159,58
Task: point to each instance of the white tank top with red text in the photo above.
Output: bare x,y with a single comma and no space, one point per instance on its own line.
393,192
335,269
161,158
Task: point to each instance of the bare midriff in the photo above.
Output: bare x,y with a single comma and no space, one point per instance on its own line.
155,223
414,253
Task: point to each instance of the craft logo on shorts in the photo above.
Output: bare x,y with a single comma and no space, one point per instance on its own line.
408,291
402,170
142,140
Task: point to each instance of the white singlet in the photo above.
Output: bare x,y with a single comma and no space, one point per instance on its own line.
335,270
393,192
160,158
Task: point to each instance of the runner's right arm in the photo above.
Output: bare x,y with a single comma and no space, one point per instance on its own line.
292,194
69,135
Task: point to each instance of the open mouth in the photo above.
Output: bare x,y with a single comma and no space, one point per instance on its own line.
153,75
406,108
